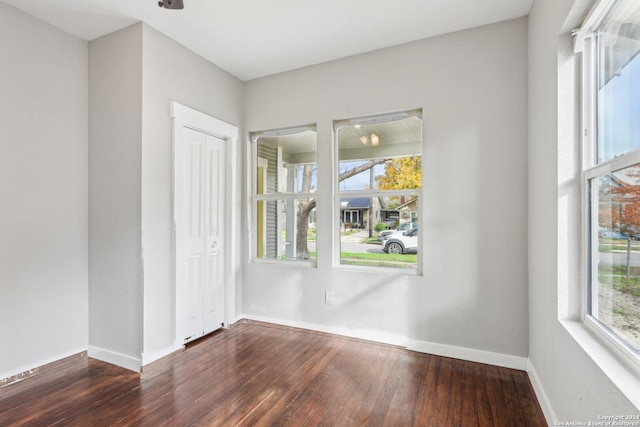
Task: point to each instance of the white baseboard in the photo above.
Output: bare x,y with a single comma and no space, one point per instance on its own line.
472,355
363,334
114,358
469,354
28,370
152,357
237,319
545,403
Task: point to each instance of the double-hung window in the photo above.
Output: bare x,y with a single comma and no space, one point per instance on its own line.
284,194
610,46
378,186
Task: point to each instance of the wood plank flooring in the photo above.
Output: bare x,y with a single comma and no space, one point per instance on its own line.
258,374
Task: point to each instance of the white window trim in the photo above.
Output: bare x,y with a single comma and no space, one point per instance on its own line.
338,195
584,43
255,162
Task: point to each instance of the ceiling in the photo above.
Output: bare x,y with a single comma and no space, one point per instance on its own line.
256,38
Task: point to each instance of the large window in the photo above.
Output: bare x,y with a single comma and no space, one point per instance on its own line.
285,194
612,172
378,182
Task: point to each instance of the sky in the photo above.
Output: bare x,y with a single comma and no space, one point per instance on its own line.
619,113
357,182
360,181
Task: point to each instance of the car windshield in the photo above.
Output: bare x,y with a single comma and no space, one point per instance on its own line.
407,226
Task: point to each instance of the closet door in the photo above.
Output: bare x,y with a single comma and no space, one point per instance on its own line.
200,233
213,297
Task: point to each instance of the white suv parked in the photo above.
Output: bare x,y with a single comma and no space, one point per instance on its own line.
401,229
401,242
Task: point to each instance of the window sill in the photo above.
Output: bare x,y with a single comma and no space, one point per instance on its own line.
620,373
379,270
306,264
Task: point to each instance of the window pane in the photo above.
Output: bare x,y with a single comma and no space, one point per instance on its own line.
286,229
350,179
287,163
615,287
401,173
618,41
379,231
380,156
376,155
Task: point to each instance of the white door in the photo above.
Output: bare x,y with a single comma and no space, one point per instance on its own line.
200,233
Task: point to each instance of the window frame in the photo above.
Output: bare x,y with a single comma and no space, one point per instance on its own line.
342,194
585,43
276,196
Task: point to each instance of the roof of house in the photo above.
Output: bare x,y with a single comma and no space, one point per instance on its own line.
358,203
407,203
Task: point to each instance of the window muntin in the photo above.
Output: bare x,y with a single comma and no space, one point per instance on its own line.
378,180
612,134
285,186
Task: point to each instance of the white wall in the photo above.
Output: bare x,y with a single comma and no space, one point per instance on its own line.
43,183
115,255
134,74
572,385
472,87
171,73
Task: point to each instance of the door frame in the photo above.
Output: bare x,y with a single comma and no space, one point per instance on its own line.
185,117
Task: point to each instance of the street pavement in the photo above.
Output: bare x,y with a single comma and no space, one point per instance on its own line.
620,258
351,243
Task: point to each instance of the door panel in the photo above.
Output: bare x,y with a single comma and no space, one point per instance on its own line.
213,307
193,326
214,286
196,144
195,189
203,170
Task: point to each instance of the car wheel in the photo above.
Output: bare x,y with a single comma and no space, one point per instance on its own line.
394,248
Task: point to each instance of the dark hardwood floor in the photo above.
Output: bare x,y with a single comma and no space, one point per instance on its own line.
258,374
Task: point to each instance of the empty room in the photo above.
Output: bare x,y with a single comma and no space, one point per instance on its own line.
418,212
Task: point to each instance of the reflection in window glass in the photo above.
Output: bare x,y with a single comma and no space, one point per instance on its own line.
615,285
614,197
379,178
618,75
286,182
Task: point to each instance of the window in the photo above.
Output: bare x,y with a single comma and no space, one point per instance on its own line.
611,66
284,194
378,183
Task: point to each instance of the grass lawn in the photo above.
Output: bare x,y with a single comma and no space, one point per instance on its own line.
409,258
379,260
616,275
371,240
609,248
608,245
369,263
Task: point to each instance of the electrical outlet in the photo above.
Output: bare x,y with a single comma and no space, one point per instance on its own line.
328,297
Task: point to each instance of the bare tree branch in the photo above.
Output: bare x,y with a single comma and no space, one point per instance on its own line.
363,167
305,208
